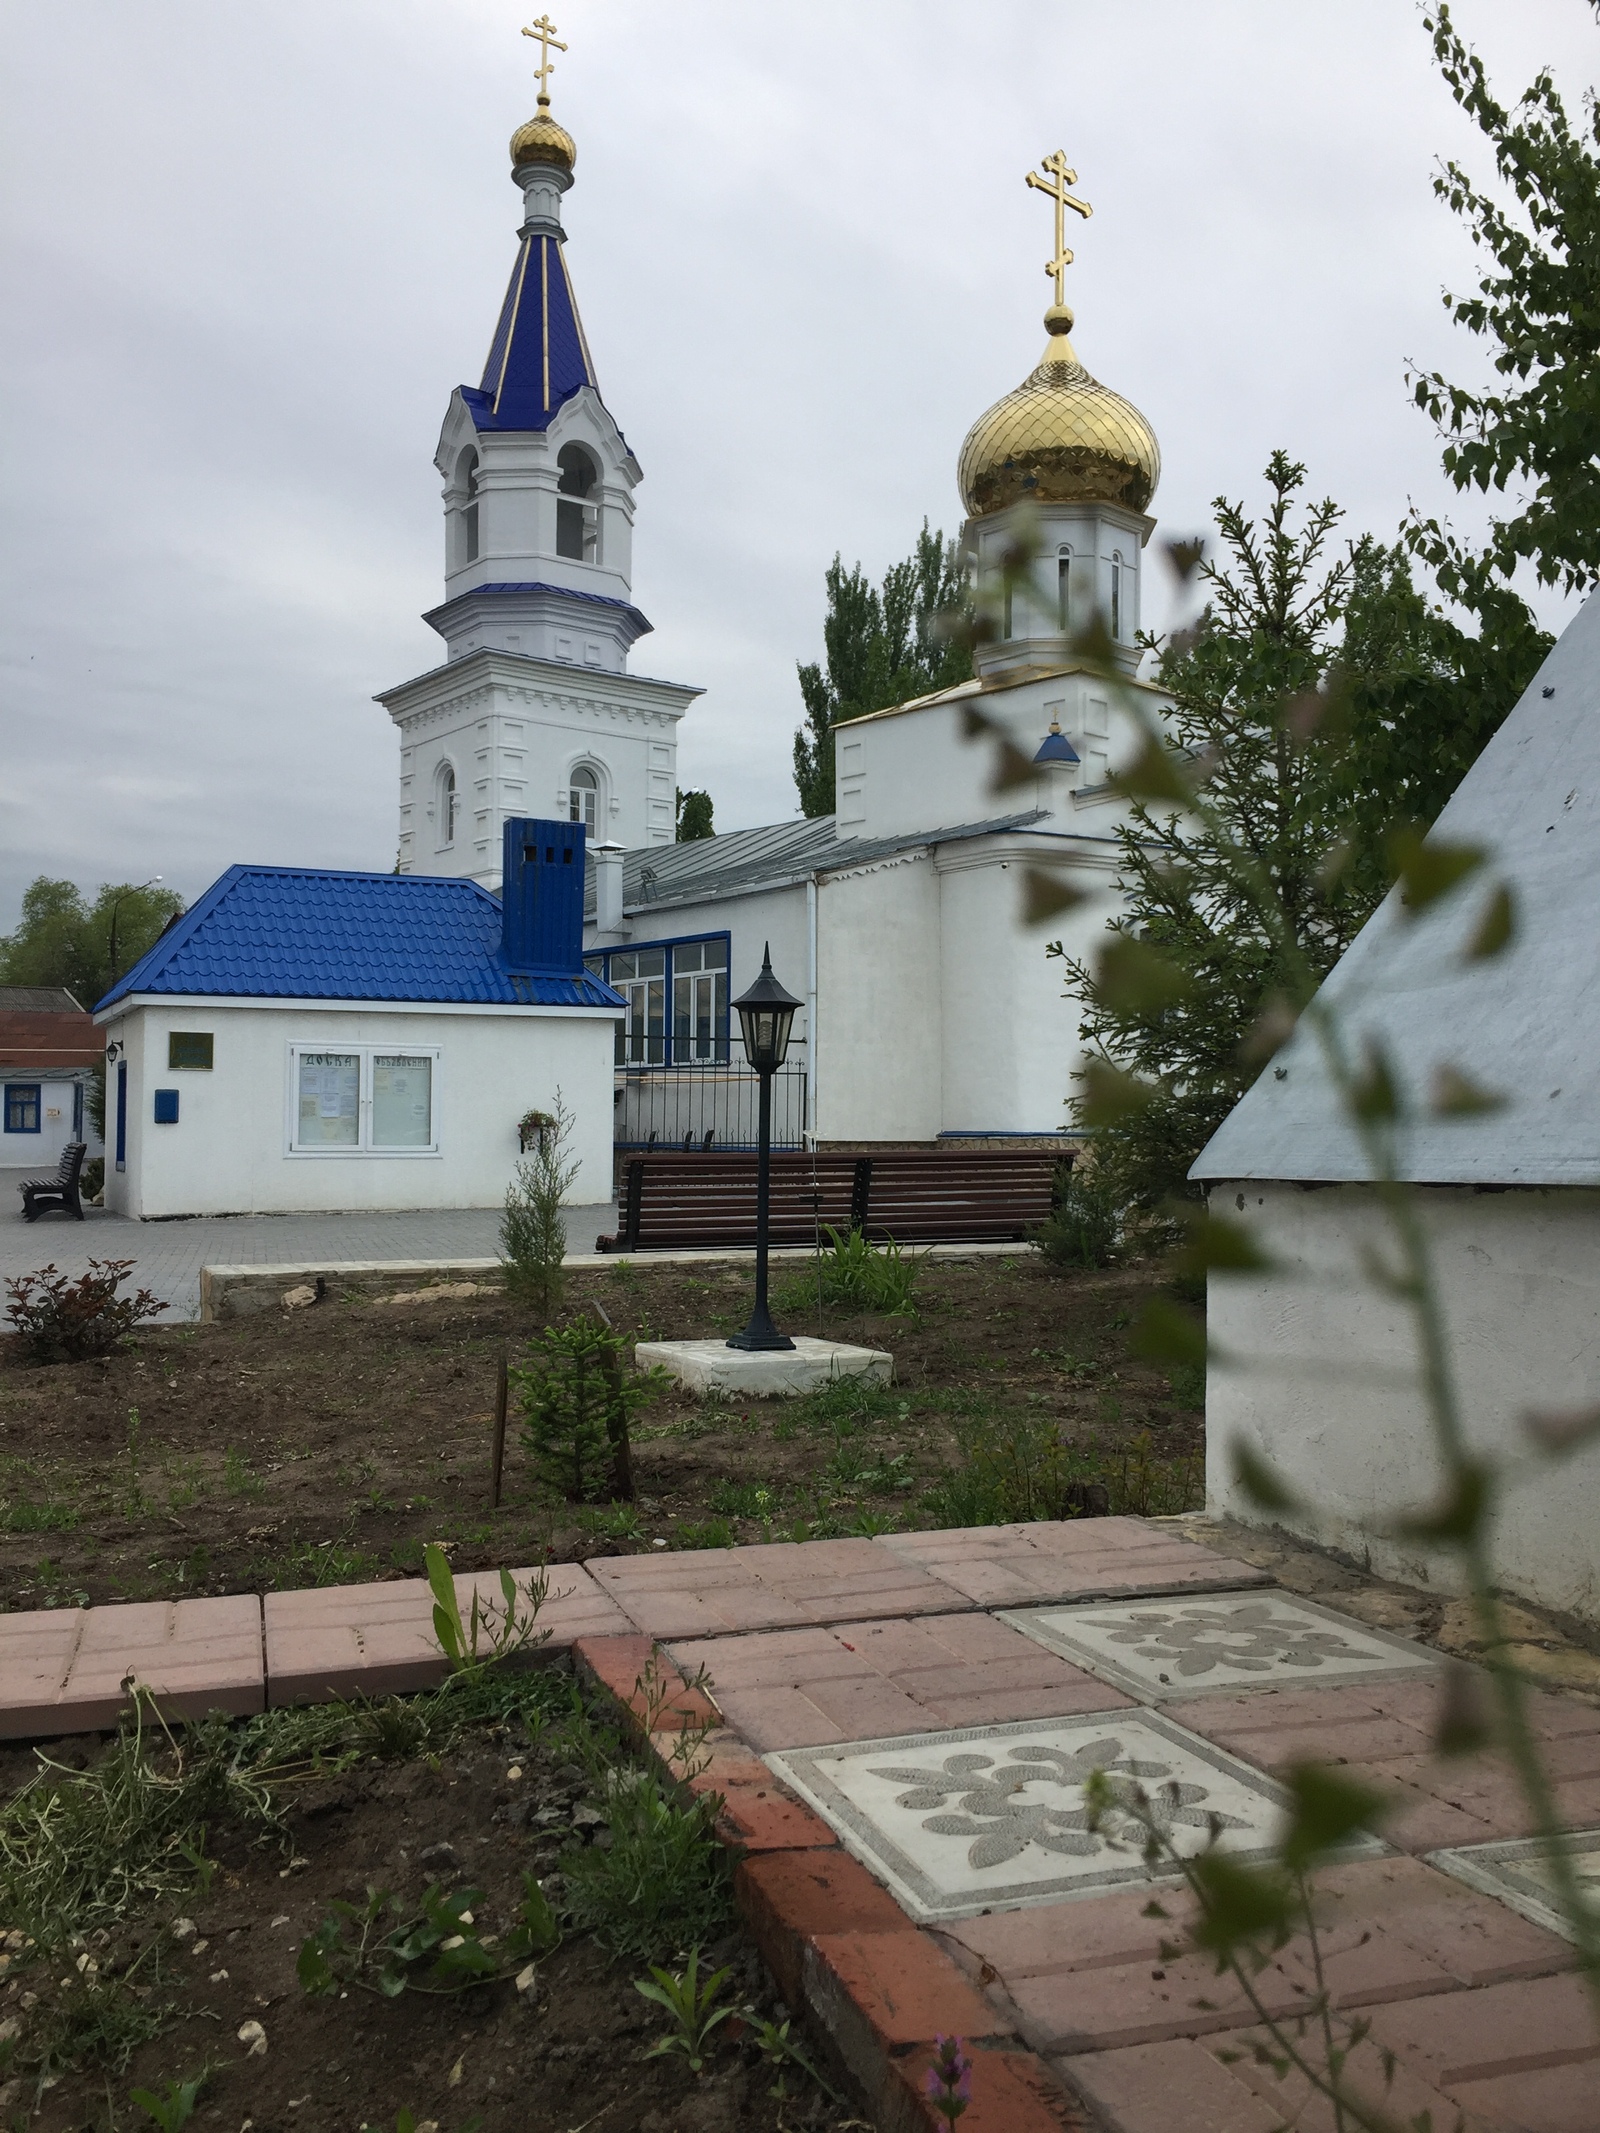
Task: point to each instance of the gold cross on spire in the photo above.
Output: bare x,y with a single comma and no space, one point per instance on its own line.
545,30
1056,187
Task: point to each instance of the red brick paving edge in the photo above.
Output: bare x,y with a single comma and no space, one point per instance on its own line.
839,1947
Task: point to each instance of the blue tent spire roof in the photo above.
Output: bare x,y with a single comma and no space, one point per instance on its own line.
539,357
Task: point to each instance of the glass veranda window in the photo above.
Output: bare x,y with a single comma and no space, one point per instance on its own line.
700,1001
641,977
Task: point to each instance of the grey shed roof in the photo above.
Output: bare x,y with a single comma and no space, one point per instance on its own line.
744,861
1526,1023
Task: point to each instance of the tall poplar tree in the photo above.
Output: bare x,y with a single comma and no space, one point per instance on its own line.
882,645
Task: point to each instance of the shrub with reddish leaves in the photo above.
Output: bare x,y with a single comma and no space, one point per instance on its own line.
62,1321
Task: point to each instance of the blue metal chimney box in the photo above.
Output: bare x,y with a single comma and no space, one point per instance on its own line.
542,892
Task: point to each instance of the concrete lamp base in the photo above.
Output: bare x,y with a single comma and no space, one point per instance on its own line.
764,1373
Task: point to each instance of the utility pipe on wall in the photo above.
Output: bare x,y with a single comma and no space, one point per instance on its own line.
811,1011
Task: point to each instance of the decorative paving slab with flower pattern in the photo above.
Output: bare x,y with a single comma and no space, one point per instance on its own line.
1159,1650
1520,1875
994,1817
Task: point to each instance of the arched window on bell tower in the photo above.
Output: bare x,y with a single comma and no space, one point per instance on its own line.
1063,588
467,471
1116,595
577,520
583,798
446,801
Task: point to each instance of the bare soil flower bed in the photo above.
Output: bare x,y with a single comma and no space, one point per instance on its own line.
326,1445
199,1969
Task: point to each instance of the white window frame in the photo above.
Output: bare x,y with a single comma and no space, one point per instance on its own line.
363,1151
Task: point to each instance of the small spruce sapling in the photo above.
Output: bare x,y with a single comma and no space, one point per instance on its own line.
533,1230
576,1403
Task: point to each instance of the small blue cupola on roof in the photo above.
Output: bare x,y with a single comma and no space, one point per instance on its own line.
542,891
1055,747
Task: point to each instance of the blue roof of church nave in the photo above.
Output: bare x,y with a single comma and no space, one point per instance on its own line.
539,357
311,933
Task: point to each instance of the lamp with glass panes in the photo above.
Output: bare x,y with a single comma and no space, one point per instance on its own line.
766,1015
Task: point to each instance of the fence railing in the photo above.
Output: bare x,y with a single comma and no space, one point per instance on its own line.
706,1107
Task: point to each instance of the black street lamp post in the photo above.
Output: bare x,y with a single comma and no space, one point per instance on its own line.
766,1013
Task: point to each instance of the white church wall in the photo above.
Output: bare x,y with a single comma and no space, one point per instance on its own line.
879,1012
1010,1039
1519,1279
230,1149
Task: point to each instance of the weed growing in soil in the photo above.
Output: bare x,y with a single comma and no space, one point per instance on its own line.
855,1275
175,2106
663,1882
489,1635
696,2009
439,1948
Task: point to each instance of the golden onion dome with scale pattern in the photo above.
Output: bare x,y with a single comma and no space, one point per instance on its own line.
541,140
1061,438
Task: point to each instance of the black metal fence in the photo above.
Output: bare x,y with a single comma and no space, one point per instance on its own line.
706,1107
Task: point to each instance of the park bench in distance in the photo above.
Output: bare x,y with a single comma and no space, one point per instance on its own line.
912,1195
39,1195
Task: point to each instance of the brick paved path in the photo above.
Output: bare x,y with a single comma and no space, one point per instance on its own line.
1074,2015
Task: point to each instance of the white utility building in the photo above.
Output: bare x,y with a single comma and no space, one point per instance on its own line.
1317,1367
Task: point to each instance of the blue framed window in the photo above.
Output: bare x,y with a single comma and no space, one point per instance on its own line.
22,1107
677,995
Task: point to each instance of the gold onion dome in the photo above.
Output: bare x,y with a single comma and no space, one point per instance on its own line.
541,140
1061,438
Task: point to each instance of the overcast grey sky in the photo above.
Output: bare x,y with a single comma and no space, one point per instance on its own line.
250,249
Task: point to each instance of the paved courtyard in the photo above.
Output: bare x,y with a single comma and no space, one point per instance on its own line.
900,1733
168,1256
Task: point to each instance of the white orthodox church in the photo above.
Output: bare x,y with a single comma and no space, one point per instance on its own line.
931,1009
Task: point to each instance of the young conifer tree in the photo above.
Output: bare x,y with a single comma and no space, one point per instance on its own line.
533,1230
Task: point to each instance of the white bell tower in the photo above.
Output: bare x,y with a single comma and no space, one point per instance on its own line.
534,711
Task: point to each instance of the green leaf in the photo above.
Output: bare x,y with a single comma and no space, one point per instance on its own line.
1011,767
1326,1808
1427,869
1237,1903
1465,1722
1110,1095
1154,774
1453,1095
1165,1333
1496,927
1259,1481
312,1967
1046,894
1135,979
1460,1513
1216,1244
1373,1095
1184,557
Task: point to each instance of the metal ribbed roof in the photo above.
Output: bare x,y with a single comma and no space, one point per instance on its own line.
743,861
306,933
1525,1023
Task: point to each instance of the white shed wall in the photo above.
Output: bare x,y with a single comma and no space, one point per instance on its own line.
229,1151
1519,1276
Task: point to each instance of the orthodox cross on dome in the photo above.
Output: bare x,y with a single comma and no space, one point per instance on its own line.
545,30
1055,186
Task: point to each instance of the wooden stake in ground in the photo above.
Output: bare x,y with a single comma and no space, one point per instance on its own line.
501,1391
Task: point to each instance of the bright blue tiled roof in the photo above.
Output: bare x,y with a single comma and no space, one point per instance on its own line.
538,358
308,933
